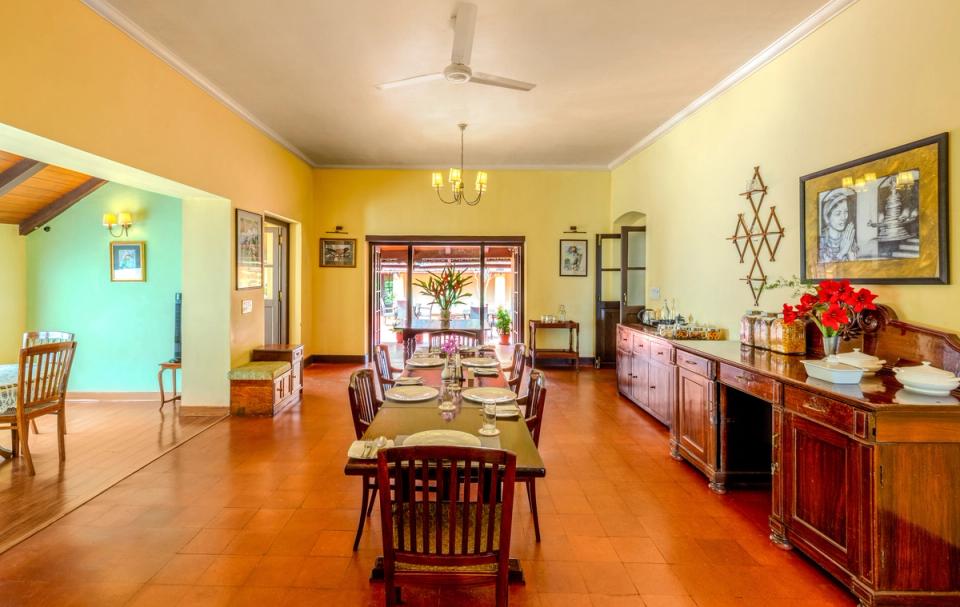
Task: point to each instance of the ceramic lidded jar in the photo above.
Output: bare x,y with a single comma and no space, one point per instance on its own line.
927,379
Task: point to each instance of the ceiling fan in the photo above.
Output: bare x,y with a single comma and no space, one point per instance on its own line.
459,71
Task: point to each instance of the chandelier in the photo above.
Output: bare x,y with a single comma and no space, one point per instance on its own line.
456,180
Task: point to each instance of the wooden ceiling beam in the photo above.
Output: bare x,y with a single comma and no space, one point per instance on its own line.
18,173
49,212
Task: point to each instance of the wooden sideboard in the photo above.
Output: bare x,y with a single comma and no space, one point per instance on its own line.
862,481
291,353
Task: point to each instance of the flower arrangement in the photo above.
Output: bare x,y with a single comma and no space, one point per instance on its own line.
450,347
833,307
446,288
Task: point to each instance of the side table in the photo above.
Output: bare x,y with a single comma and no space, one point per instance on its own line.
571,353
173,367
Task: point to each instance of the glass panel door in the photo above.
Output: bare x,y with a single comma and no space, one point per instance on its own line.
390,292
433,259
633,270
501,289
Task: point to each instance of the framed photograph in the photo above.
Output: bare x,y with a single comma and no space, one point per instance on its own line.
249,250
128,261
573,257
880,219
338,253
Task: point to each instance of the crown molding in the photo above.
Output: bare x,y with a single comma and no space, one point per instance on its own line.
806,27
466,167
127,26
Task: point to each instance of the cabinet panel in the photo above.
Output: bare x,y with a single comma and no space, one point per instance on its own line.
640,381
662,380
695,423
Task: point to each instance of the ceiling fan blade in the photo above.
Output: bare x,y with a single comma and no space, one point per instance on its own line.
507,83
410,81
463,25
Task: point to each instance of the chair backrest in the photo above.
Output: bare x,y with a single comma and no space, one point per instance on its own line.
35,338
487,351
43,374
446,505
464,339
381,361
536,397
519,364
363,400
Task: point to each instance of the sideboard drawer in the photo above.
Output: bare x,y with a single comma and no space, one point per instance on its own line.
696,364
624,338
762,387
641,346
827,411
660,351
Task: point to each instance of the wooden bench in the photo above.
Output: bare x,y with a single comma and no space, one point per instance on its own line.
262,388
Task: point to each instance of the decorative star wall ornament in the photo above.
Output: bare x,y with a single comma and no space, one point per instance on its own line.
756,236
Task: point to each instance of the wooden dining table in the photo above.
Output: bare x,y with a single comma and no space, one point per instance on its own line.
401,419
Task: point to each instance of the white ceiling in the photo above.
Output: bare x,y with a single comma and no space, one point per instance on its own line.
608,72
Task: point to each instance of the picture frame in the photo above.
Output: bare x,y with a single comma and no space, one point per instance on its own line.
338,252
880,219
249,250
573,257
128,261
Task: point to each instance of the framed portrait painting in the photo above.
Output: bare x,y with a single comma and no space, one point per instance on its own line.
573,257
880,219
338,252
249,250
128,261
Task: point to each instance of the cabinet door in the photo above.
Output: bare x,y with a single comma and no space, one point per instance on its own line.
663,382
624,372
640,381
821,489
695,423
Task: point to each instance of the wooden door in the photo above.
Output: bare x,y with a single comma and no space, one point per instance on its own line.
663,380
633,271
275,276
695,420
821,489
607,295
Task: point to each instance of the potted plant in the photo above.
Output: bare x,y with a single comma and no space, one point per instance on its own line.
446,289
833,307
503,323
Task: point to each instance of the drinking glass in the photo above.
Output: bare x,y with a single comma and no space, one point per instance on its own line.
489,419
446,398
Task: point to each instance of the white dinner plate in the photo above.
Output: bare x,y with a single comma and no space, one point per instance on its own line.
480,362
411,394
431,361
489,395
442,437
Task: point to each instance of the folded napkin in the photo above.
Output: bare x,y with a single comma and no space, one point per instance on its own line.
486,372
508,410
357,448
409,381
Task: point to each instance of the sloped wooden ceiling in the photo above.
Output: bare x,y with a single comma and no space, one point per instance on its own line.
33,193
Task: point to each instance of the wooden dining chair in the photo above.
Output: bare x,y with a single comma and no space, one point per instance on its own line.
384,368
35,338
516,368
41,390
534,401
464,339
446,516
363,408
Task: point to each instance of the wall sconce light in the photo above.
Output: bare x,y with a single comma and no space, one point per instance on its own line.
337,230
122,220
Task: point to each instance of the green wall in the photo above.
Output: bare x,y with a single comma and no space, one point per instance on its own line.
123,329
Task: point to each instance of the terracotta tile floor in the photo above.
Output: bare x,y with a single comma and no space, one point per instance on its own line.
256,512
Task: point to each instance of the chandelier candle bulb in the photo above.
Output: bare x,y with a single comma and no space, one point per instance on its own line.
437,180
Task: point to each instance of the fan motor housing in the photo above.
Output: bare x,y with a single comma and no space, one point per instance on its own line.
457,73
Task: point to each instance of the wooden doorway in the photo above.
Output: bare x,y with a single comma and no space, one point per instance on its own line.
276,276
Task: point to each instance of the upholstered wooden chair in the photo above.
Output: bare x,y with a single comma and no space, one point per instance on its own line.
533,402
384,368
464,339
42,377
363,408
517,366
35,338
446,515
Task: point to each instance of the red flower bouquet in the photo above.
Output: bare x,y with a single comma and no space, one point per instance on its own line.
833,307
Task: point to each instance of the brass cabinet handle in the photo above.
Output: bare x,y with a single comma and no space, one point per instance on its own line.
742,378
815,406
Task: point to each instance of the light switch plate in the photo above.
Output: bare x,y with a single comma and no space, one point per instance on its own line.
654,292
246,306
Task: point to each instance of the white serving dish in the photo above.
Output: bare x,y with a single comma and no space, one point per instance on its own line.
489,395
442,437
833,372
916,397
869,363
426,361
480,362
927,379
411,394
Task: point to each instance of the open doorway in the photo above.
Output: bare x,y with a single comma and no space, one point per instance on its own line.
276,276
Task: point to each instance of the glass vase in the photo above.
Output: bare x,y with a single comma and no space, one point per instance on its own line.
831,345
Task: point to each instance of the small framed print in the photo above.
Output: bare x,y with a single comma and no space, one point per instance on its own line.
338,253
573,257
128,261
880,219
249,250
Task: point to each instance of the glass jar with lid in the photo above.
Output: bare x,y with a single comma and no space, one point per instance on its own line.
788,337
746,327
761,330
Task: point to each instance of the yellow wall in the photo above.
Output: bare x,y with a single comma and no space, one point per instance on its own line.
539,205
13,292
874,77
74,78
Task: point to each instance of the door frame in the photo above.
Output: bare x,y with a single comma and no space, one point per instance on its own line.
417,240
601,304
625,269
283,275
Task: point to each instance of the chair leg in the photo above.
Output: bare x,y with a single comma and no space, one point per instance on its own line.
33,424
14,442
532,497
61,431
390,591
503,586
373,498
363,512
25,448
